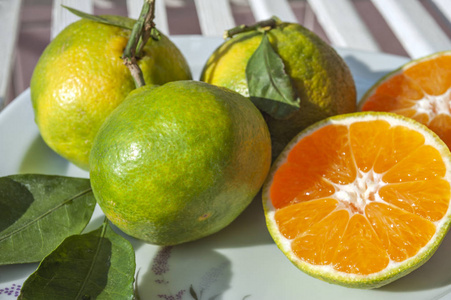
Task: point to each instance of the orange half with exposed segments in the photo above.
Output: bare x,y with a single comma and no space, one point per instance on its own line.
360,199
420,89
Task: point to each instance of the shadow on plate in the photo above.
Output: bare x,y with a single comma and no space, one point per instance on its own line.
16,272
206,274
249,229
41,159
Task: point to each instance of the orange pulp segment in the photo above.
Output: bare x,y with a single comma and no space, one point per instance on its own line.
420,90
360,196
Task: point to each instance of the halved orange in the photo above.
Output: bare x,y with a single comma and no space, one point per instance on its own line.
420,89
360,199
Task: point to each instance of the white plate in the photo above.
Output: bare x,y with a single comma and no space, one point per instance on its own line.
239,262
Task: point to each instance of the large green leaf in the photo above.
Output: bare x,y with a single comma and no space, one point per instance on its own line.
37,212
96,265
270,87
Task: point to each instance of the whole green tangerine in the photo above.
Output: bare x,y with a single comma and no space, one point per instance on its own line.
180,161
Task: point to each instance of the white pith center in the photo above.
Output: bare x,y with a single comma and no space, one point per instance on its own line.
434,105
356,195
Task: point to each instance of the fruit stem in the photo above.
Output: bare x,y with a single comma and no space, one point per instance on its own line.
264,25
142,30
148,29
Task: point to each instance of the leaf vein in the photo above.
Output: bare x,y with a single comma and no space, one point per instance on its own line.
26,225
91,267
271,77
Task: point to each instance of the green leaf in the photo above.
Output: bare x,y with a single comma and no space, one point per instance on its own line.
96,265
270,87
37,212
118,21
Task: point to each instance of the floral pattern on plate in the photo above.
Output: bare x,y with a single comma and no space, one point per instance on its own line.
13,290
204,287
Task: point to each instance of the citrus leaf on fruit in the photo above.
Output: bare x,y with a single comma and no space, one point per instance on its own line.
270,87
37,212
96,265
118,21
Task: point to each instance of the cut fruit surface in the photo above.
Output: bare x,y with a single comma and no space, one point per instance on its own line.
421,90
360,199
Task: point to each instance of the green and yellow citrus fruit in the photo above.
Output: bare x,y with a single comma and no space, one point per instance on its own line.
180,161
81,78
319,75
360,199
